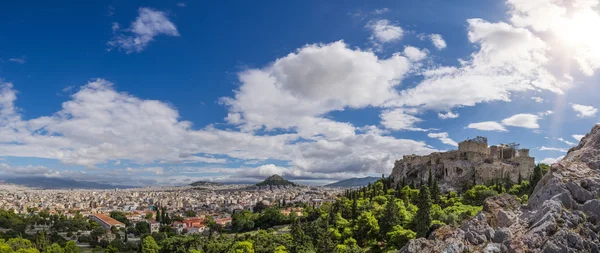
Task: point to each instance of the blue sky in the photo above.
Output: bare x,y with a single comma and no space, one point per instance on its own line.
162,93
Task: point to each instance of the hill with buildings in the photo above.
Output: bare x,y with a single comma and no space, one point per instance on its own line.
204,183
473,163
561,215
276,180
354,182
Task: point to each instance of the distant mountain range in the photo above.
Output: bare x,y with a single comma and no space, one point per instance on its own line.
354,182
204,183
275,180
58,183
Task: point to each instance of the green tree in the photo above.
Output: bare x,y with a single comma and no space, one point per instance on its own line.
142,228
422,219
280,249
536,176
149,245
400,236
476,195
367,228
71,247
391,217
55,248
242,247
190,213
111,249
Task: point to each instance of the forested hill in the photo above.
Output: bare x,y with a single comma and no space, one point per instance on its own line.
276,180
354,182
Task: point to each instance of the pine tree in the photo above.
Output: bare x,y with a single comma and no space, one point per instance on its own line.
436,192
430,180
354,209
422,219
391,217
536,176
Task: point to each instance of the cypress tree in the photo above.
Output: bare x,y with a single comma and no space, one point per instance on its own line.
520,179
391,217
430,180
536,176
422,219
157,218
436,192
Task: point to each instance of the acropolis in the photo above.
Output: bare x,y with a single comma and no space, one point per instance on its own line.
473,162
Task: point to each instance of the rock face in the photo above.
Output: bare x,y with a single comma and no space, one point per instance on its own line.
562,215
474,161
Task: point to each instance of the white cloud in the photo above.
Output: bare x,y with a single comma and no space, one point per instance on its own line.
522,120
509,60
538,99
448,115
568,25
584,111
444,138
544,148
546,113
550,160
381,11
488,126
414,54
437,41
384,31
578,137
296,90
567,142
181,4
399,119
149,24
99,125
20,60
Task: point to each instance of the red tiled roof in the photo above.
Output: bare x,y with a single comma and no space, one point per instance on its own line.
108,220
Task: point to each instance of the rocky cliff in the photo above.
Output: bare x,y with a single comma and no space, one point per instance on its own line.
562,215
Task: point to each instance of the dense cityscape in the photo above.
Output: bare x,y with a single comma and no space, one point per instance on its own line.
313,126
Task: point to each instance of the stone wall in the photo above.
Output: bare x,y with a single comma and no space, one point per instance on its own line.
473,146
454,169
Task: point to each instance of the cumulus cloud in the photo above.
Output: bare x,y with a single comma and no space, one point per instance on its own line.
437,41
148,25
510,59
578,137
100,125
448,115
537,99
550,160
414,54
399,119
444,138
384,31
488,126
584,111
568,25
522,120
296,90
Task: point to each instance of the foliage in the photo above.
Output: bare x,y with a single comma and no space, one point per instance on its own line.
422,220
476,195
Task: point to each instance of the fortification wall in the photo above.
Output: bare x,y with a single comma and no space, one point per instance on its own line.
454,168
473,146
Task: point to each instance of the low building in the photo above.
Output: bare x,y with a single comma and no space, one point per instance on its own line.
107,222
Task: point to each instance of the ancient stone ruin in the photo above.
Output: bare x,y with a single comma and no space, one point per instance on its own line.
473,162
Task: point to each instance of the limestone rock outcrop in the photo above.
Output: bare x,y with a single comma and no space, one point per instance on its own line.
474,161
562,215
